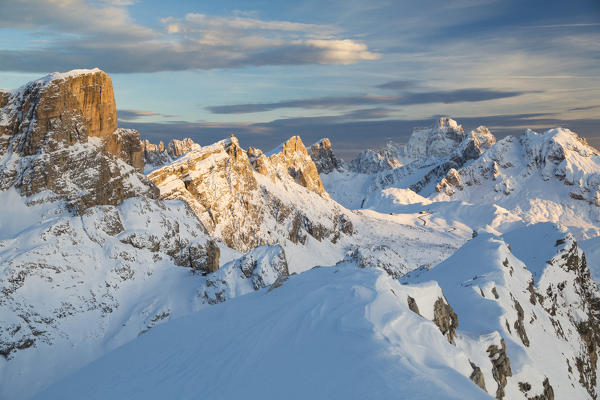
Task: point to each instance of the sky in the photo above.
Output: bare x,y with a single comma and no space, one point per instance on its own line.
359,72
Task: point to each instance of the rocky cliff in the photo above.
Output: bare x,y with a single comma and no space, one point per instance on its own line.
437,141
158,155
323,157
247,198
60,134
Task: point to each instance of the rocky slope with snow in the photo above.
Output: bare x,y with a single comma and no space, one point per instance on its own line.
250,198
412,272
159,155
491,321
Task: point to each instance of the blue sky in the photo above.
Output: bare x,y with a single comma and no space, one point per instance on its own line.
359,72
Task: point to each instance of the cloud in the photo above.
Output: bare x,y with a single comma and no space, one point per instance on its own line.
439,96
107,37
584,108
131,115
400,84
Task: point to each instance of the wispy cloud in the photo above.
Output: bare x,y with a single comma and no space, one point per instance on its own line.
132,115
440,96
400,84
109,38
584,108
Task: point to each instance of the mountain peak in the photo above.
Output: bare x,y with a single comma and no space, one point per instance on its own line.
436,141
323,157
59,133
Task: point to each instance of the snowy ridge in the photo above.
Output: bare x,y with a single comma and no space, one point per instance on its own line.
482,327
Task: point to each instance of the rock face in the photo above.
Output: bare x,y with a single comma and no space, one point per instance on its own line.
60,133
261,268
293,157
436,141
158,155
500,367
323,157
373,161
445,318
249,199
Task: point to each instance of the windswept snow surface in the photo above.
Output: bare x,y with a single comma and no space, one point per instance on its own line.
328,333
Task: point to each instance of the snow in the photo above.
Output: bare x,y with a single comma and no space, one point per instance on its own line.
327,333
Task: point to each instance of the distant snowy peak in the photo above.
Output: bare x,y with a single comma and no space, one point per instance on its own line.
557,154
323,157
372,161
436,141
158,155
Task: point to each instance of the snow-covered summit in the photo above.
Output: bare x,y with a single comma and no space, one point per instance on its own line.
438,140
377,160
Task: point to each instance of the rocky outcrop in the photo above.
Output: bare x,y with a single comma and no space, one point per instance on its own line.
60,133
264,266
445,318
556,297
435,142
292,158
378,256
158,155
500,366
323,157
477,376
372,161
249,199
470,148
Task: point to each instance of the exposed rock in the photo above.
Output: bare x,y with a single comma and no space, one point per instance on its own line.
292,157
323,157
60,133
500,366
412,305
373,161
264,266
158,155
445,318
470,148
477,376
519,325
379,256
225,187
436,141
204,257
547,394
557,154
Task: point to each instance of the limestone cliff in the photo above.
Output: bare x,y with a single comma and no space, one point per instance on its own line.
249,199
59,133
323,157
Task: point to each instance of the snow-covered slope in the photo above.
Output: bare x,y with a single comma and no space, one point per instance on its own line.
76,286
480,321
553,176
327,333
